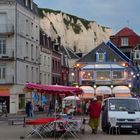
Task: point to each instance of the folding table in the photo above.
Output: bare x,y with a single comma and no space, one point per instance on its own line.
39,126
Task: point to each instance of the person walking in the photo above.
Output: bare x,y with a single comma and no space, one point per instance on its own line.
94,114
4,108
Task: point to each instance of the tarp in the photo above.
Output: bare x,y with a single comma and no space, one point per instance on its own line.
56,89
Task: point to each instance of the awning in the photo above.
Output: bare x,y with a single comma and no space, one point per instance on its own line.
87,89
120,89
71,98
103,90
54,89
87,96
4,91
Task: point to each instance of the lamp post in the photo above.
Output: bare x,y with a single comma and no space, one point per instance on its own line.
111,89
77,73
94,90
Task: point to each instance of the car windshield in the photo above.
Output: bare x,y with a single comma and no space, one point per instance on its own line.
124,105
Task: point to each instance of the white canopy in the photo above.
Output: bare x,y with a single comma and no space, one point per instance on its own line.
121,89
87,89
71,98
103,90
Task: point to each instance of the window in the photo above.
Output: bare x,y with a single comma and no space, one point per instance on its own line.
27,73
87,75
32,51
32,73
124,41
100,57
2,73
21,101
27,50
2,46
103,75
118,74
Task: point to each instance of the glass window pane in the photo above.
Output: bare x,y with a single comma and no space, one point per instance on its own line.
103,75
87,75
118,74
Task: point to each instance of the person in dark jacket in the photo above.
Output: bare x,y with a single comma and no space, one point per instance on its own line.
94,114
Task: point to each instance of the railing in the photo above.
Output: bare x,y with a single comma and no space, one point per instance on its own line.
7,54
9,79
6,29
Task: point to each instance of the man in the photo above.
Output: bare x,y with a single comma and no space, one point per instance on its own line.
94,114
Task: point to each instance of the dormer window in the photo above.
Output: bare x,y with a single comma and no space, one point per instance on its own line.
100,57
124,41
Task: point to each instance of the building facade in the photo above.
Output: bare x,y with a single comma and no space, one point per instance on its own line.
19,50
129,43
106,69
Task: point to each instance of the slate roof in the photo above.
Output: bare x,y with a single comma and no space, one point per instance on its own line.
112,52
69,52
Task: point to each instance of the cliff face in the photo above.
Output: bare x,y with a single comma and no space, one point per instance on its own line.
77,33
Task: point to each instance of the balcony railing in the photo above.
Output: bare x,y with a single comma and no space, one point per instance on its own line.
9,79
7,54
6,29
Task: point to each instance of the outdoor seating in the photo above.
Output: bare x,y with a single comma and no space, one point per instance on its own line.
55,127
113,127
39,126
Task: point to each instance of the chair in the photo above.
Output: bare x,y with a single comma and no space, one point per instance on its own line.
114,126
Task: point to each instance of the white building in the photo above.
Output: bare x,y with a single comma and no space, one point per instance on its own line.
19,50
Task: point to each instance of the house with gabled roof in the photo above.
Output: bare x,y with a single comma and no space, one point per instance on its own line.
107,69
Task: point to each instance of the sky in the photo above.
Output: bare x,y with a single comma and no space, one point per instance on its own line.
115,14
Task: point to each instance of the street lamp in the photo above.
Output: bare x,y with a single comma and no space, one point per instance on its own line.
111,89
94,90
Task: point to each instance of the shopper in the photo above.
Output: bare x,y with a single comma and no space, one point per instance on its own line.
94,114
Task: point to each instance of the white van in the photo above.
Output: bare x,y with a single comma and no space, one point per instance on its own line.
125,110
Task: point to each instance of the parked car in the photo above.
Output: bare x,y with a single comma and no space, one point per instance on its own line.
125,111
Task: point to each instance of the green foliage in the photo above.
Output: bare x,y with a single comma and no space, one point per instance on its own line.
103,28
40,11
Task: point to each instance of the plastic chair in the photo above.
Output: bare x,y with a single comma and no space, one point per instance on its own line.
114,126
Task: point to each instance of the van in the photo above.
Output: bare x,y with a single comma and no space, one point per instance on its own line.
124,110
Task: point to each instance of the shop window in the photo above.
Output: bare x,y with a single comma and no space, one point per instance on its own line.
103,75
21,101
118,74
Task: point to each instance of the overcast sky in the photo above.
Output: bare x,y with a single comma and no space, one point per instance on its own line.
115,14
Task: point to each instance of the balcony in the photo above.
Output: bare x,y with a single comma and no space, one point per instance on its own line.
9,79
7,54
6,29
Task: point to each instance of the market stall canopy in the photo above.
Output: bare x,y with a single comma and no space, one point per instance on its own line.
87,89
121,91
57,89
71,98
103,90
88,92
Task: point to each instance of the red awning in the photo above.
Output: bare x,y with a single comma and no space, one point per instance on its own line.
4,93
57,89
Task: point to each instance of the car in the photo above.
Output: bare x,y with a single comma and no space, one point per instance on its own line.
125,111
